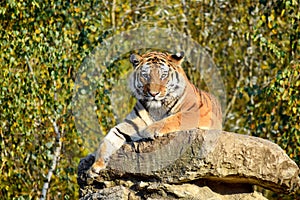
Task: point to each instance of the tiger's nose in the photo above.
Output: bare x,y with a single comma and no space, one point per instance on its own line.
153,93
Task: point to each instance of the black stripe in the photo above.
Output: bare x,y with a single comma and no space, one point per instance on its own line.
118,133
190,108
136,112
135,127
201,97
127,137
177,76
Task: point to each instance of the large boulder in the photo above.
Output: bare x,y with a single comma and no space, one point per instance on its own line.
195,164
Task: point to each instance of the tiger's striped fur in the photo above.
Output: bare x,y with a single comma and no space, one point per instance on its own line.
166,102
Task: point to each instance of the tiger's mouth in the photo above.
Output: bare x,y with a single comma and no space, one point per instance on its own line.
154,104
155,98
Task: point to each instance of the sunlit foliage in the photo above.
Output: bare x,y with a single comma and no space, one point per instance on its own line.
255,45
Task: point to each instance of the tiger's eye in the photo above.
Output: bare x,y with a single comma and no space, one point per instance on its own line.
145,75
163,76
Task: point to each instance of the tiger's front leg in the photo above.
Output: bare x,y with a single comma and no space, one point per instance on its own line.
177,122
113,141
109,145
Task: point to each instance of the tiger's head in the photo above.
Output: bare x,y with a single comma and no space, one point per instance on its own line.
158,78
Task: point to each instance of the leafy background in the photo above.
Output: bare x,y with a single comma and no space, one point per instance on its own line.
255,45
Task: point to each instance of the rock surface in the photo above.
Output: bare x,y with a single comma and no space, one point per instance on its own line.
195,164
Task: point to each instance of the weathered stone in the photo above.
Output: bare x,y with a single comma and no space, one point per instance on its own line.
117,192
151,191
182,164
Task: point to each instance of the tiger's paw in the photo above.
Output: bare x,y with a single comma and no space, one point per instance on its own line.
146,135
94,171
158,134
151,132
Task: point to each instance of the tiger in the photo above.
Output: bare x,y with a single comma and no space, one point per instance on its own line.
166,102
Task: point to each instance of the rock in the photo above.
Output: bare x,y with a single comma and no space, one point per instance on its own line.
195,164
118,192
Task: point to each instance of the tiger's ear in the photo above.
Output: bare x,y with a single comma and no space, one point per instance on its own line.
178,57
135,59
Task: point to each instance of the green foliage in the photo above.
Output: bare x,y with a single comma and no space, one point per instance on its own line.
39,53
42,45
279,114
274,100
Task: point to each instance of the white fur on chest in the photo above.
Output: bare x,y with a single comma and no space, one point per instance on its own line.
156,110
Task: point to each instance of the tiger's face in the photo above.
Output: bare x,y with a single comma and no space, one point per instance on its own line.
157,78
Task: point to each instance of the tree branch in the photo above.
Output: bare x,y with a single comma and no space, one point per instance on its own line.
113,16
58,141
231,103
57,153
